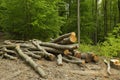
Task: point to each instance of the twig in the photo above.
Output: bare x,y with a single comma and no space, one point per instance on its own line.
108,67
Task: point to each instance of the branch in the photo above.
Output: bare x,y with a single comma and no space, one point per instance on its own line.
108,67
59,60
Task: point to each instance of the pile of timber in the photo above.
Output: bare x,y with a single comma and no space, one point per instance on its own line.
63,48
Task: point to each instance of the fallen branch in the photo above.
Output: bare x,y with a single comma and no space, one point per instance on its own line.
30,61
10,57
32,54
73,61
108,67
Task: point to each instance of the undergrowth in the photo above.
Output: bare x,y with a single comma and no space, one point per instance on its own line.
109,48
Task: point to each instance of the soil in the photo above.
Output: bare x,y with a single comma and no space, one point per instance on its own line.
19,70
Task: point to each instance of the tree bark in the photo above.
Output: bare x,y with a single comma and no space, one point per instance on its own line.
30,61
59,60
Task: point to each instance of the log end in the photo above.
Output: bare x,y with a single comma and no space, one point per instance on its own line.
83,61
77,54
67,52
115,63
96,59
51,57
73,37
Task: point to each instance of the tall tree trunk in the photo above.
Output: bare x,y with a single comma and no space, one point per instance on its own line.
96,20
119,9
105,17
78,18
110,15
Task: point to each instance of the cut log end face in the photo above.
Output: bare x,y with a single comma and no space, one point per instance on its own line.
115,63
67,52
51,57
96,59
78,55
73,39
83,62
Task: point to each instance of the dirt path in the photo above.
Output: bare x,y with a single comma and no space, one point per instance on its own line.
19,70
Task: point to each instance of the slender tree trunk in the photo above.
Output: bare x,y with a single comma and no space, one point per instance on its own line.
110,15
96,20
78,18
105,17
119,9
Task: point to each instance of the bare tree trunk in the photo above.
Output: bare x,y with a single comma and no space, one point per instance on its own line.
105,17
78,18
96,20
119,9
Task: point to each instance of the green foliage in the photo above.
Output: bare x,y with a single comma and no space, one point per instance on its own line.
109,48
27,19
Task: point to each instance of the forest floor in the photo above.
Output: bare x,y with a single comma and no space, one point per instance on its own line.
19,70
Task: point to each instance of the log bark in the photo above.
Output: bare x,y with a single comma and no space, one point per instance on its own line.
59,60
30,62
45,53
76,53
73,61
69,40
9,51
57,46
53,50
72,57
32,54
63,36
89,57
9,56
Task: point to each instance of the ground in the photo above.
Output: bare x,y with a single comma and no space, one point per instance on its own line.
19,70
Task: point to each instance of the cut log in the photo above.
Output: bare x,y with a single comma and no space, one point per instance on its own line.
73,61
53,50
72,57
9,51
70,40
63,36
57,46
30,62
115,63
86,57
32,54
59,60
76,53
89,57
45,53
9,56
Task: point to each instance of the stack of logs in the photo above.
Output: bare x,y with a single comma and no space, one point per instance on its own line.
60,49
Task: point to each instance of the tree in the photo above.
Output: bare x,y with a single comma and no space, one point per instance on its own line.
32,19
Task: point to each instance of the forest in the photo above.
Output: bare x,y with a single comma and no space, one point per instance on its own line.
46,19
